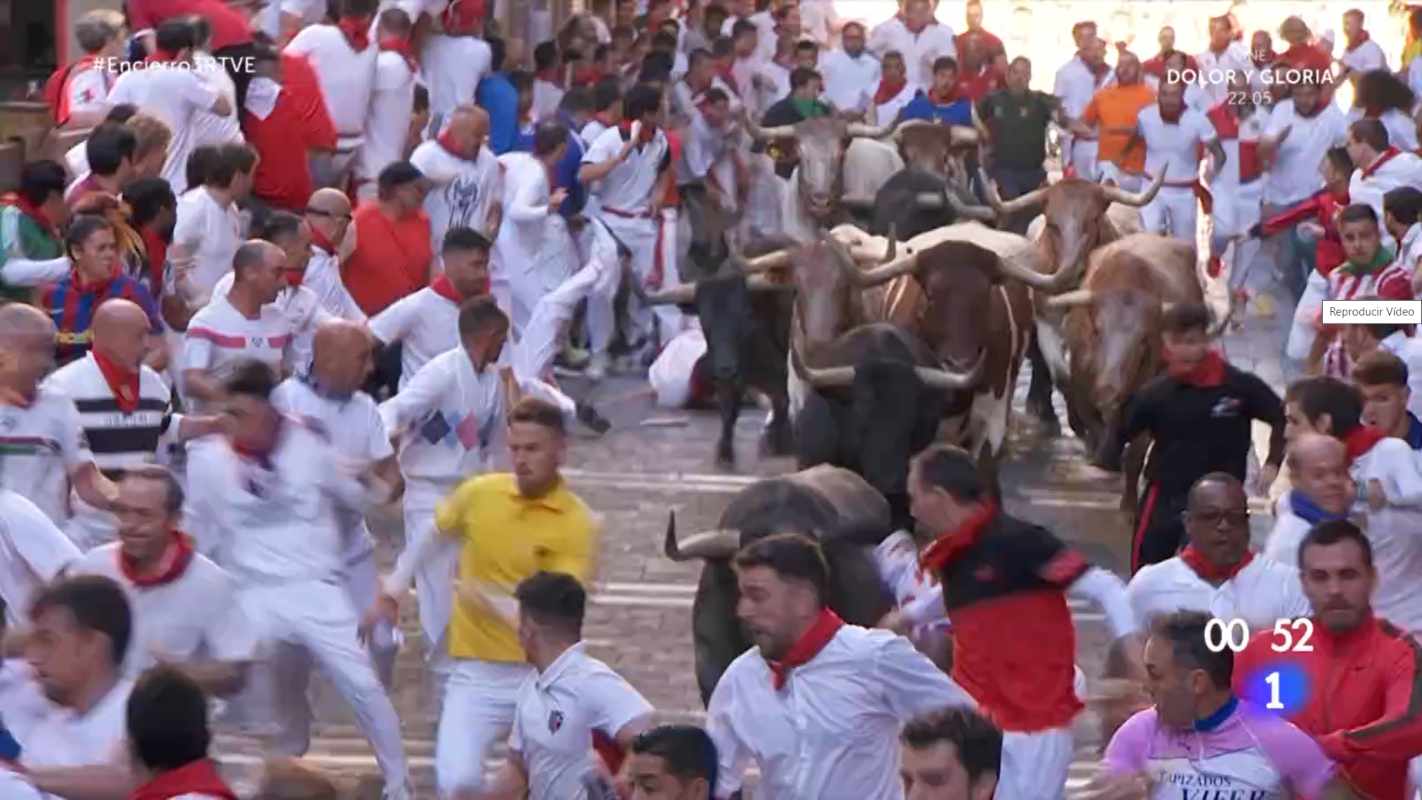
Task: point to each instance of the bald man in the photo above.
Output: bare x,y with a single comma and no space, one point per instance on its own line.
328,217
240,325
41,437
126,410
1322,491
1216,573
464,174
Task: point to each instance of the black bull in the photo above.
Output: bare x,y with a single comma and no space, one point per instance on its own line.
834,506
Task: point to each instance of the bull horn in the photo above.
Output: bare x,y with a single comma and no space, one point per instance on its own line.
859,129
1016,204
1073,299
1115,194
713,544
778,259
949,380
882,274
830,378
1012,266
766,134
893,246
760,283
672,296
965,210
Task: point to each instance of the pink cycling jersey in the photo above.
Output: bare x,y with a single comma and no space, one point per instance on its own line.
1240,753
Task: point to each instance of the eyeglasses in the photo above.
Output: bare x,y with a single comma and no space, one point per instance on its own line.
320,213
1234,518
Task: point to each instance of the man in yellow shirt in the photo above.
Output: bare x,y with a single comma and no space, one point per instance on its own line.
508,527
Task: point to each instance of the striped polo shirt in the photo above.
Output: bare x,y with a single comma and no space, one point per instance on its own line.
71,305
219,335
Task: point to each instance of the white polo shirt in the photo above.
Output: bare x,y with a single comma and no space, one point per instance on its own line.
454,65
919,50
1366,57
1174,148
354,428
850,82
628,187
64,738
1409,349
1391,170
1397,549
195,616
212,234
464,190
1294,174
425,323
1261,593
323,277
347,78
1216,69
219,335
209,128
303,313
392,100
42,444
174,96
832,729
32,552
556,715
1287,534
1076,84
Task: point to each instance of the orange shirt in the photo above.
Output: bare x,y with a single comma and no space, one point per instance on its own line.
391,259
1118,107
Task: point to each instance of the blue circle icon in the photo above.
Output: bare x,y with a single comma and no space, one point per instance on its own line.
1280,687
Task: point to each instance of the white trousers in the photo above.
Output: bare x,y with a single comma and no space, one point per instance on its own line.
1302,334
639,235
557,259
316,621
1034,765
362,582
1236,209
1171,212
1108,170
1083,156
434,581
553,309
478,712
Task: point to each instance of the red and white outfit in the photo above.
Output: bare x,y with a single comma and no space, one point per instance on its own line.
825,721
1257,590
1392,169
304,314
1173,147
672,373
345,68
1364,55
33,551
219,335
1075,85
919,48
210,128
392,101
86,89
849,80
425,323
1237,190
1401,129
174,95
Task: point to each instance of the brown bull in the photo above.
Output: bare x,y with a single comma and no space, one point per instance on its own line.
1078,217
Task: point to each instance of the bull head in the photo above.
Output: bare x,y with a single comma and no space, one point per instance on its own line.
711,545
934,378
1085,298
686,293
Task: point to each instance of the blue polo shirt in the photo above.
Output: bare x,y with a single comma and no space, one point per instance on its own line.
958,112
496,94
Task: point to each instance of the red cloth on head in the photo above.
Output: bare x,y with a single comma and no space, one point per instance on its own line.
1209,571
1207,372
196,777
122,381
826,625
175,561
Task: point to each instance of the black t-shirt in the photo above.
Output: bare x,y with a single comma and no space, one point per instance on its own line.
1018,124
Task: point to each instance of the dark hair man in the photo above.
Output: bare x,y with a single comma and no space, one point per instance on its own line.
393,252
952,754
576,703
1382,379
1199,415
1369,269
1240,750
168,737
1381,166
110,150
31,245
802,689
1004,584
1386,339
1322,490
1363,699
673,762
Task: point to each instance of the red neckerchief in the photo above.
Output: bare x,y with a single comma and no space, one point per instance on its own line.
1386,156
444,287
888,91
262,456
1171,119
175,560
32,211
295,277
947,547
587,76
157,251
1207,373
401,45
814,639
446,140
56,89
161,56
643,137
99,287
549,75
322,241
1099,71
1361,439
1354,44
943,100
122,381
1209,571
357,31
196,777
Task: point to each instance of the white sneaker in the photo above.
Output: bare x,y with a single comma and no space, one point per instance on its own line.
597,367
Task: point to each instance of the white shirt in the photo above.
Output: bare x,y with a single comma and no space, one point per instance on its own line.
1294,174
1409,349
304,314
464,191
1076,84
1287,534
22,704
1397,549
219,335
1366,57
817,19
546,97
323,277
591,131
1414,75
765,37
89,88
1174,148
1250,129
888,111
32,552
354,428
628,187
919,50
43,444
174,96
209,128
274,522
392,100
701,147
194,617
211,234
1216,69
1385,174
1400,127
831,732
1261,593
425,323
556,714
310,11
670,374
850,83
454,65
64,738
347,78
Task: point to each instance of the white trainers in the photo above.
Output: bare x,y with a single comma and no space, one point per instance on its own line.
597,367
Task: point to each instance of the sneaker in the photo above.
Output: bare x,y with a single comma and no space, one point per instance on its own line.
597,367
596,422
574,357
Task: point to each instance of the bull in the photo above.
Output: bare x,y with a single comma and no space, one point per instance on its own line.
832,505
1078,216
921,196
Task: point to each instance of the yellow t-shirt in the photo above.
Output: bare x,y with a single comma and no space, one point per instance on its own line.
506,537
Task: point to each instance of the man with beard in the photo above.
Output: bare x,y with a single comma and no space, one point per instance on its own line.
1362,705
1174,138
850,72
1322,491
1111,117
1016,119
463,175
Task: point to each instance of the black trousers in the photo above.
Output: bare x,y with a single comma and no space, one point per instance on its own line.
384,381
1015,182
1160,532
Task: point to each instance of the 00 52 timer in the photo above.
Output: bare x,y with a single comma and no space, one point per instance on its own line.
1280,686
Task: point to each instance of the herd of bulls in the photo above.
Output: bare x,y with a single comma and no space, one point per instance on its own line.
871,347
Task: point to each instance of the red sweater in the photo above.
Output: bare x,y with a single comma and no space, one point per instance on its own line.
228,27
1364,702
391,259
1323,208
298,124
